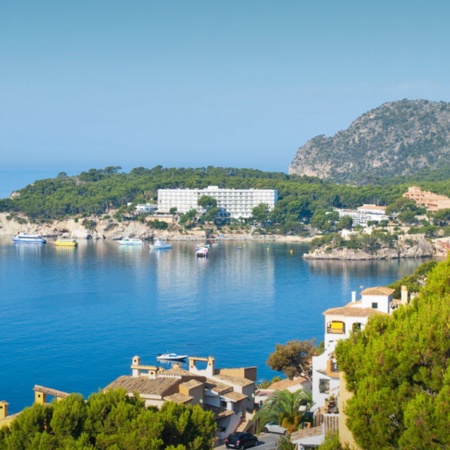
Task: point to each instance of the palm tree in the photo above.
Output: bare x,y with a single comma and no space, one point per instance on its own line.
285,408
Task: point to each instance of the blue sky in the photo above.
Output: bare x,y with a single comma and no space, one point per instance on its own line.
194,83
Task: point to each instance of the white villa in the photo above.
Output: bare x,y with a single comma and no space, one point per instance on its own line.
364,214
237,202
326,380
339,323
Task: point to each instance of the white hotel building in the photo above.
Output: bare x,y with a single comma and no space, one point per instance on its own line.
238,202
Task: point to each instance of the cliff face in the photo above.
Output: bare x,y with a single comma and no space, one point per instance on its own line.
407,248
397,138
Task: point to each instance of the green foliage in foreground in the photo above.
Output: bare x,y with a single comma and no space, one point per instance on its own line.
110,421
398,369
283,407
413,282
294,358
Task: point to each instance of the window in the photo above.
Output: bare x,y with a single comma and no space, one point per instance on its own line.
324,386
374,305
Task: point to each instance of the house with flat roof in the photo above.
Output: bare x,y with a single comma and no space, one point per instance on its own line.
365,213
238,203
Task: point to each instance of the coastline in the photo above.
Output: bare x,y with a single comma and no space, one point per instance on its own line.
113,230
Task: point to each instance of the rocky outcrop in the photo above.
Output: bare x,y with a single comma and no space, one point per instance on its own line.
89,228
406,248
395,139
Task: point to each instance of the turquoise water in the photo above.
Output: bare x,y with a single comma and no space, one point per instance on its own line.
72,319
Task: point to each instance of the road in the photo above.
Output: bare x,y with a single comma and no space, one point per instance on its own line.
266,441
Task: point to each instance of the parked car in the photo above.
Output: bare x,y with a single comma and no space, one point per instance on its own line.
241,440
273,427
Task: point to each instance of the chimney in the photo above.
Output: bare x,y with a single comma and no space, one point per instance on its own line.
353,296
404,297
3,409
210,367
135,363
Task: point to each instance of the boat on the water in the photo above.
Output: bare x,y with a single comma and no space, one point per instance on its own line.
65,242
171,357
160,245
202,251
28,239
131,241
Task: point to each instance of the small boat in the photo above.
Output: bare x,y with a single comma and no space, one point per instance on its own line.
28,239
64,242
202,251
171,357
160,245
131,241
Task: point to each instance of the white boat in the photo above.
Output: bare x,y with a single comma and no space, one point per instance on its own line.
202,251
131,241
171,357
29,239
160,245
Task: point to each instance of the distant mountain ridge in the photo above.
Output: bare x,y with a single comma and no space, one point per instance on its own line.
396,139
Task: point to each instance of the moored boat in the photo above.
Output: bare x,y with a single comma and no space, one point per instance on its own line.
202,251
28,239
171,357
161,245
131,241
65,242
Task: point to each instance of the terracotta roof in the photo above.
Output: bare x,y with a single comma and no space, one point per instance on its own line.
234,396
50,391
238,381
192,384
286,383
178,398
352,312
306,432
378,290
218,412
143,385
181,372
372,207
217,387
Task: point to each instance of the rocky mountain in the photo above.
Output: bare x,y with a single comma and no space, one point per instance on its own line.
396,139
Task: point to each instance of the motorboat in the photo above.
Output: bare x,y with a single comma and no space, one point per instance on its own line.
65,242
202,251
28,239
171,357
131,241
161,245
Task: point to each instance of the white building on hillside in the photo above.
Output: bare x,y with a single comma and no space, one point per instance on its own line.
339,323
364,214
238,202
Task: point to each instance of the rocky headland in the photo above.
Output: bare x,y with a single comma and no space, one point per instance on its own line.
407,247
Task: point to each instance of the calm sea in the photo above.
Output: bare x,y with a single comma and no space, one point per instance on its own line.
72,319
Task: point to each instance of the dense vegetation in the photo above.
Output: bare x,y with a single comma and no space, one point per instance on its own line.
395,139
303,201
110,421
398,369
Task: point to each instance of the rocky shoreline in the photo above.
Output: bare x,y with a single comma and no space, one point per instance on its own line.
419,248
95,228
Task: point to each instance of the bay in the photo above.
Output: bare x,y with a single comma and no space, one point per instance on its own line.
72,319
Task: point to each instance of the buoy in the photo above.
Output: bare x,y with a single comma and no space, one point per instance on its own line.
291,251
